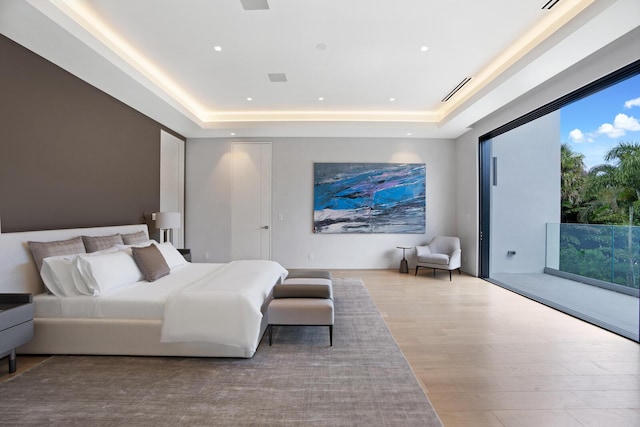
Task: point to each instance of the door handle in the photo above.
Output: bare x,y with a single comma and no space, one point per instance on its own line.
265,227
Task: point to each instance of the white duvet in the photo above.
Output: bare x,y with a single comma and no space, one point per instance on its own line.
222,307
211,303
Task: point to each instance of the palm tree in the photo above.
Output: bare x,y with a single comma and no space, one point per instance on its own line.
572,182
627,174
602,197
612,190
626,178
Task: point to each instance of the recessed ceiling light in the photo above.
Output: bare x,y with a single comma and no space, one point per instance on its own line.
233,134
249,98
408,133
392,99
320,98
217,48
424,48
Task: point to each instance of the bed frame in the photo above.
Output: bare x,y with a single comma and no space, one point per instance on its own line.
130,337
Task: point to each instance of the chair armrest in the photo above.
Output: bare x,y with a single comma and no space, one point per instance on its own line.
423,250
455,259
302,291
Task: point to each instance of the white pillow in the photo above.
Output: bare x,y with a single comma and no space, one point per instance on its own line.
171,255
58,274
105,273
79,283
57,277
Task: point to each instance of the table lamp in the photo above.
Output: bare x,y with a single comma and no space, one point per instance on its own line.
166,222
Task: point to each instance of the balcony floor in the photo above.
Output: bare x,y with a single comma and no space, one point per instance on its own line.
608,309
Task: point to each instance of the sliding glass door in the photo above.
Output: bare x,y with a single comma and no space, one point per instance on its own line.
560,205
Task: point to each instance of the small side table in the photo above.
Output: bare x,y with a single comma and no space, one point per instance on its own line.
404,265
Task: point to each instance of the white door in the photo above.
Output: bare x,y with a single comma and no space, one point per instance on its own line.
172,181
251,201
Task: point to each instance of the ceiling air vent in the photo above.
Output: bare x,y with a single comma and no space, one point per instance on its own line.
255,4
456,89
548,5
277,77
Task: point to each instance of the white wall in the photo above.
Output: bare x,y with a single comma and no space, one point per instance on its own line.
616,55
526,194
467,200
208,199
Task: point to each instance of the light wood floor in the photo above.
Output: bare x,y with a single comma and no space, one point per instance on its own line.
488,357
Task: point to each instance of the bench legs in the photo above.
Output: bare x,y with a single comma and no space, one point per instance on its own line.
270,328
12,361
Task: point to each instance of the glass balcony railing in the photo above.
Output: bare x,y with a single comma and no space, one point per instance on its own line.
604,253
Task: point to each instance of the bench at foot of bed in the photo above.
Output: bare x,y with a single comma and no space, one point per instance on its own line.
304,299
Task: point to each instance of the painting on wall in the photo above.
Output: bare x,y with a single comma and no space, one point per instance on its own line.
369,198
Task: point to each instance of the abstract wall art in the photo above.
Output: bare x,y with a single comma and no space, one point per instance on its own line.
369,198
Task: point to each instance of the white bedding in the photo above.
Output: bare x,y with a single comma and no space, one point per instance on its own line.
126,322
141,300
223,307
209,303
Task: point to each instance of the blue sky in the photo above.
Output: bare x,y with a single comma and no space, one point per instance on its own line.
594,124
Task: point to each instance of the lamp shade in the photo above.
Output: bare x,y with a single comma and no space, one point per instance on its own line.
167,220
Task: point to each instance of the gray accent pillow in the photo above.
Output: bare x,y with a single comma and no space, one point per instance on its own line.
98,243
42,250
150,261
135,238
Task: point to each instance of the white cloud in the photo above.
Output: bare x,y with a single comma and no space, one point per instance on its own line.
609,130
621,124
632,103
622,121
577,135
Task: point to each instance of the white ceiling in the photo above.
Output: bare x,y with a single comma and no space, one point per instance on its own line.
158,56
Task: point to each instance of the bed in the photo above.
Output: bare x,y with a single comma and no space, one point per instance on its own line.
200,310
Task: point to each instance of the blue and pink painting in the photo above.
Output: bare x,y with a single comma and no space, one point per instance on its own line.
369,198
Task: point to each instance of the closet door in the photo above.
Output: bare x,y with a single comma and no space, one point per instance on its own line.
251,201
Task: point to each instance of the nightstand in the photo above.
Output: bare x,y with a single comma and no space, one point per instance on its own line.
186,253
16,325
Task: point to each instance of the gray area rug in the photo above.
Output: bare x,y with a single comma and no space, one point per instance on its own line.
363,380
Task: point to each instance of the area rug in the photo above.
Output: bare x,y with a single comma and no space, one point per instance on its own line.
363,380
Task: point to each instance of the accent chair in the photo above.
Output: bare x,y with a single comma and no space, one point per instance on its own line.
441,253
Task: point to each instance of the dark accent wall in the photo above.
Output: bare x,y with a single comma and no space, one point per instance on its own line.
70,155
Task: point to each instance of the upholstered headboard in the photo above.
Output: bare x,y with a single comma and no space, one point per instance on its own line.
18,272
